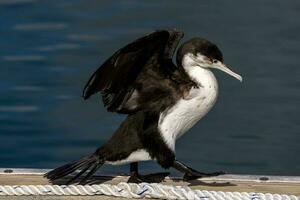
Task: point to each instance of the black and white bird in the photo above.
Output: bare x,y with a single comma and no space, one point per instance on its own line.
162,101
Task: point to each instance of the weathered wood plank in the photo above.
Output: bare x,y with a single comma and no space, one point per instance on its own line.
232,183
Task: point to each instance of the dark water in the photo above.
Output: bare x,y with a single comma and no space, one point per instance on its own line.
50,48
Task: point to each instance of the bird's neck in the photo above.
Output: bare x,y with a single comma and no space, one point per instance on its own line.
200,75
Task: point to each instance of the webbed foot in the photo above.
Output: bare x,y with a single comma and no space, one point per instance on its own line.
190,174
149,178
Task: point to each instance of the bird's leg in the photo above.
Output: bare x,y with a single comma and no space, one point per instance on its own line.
190,173
135,177
134,168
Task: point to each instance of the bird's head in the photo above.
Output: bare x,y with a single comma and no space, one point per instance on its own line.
199,52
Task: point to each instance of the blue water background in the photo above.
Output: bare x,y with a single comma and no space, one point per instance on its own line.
48,50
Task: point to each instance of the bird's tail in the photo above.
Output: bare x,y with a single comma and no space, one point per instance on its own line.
91,163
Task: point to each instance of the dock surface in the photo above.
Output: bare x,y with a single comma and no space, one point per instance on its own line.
289,185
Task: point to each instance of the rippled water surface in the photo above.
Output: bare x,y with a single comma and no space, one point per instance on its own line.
50,48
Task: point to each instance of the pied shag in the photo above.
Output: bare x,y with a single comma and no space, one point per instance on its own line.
162,101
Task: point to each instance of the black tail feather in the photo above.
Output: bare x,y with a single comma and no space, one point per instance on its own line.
93,162
91,172
65,170
80,173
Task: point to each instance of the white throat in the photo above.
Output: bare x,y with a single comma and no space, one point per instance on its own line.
177,120
200,74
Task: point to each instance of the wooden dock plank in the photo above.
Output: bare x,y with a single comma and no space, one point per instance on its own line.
289,185
222,183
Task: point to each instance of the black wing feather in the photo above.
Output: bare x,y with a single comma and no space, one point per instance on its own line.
115,78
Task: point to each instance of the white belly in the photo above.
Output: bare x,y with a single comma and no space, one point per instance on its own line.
139,155
178,119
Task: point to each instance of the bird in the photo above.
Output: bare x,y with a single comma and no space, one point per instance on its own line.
161,98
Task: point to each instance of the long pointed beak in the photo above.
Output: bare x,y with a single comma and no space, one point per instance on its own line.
221,66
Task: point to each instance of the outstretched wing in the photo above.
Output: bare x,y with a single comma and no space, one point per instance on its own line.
117,78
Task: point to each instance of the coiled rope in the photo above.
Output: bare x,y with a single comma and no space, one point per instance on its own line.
143,190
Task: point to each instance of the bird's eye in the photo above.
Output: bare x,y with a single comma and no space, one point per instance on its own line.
214,61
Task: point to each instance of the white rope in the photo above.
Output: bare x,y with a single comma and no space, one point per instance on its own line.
143,190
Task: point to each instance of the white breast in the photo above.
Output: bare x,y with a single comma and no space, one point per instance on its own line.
175,121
